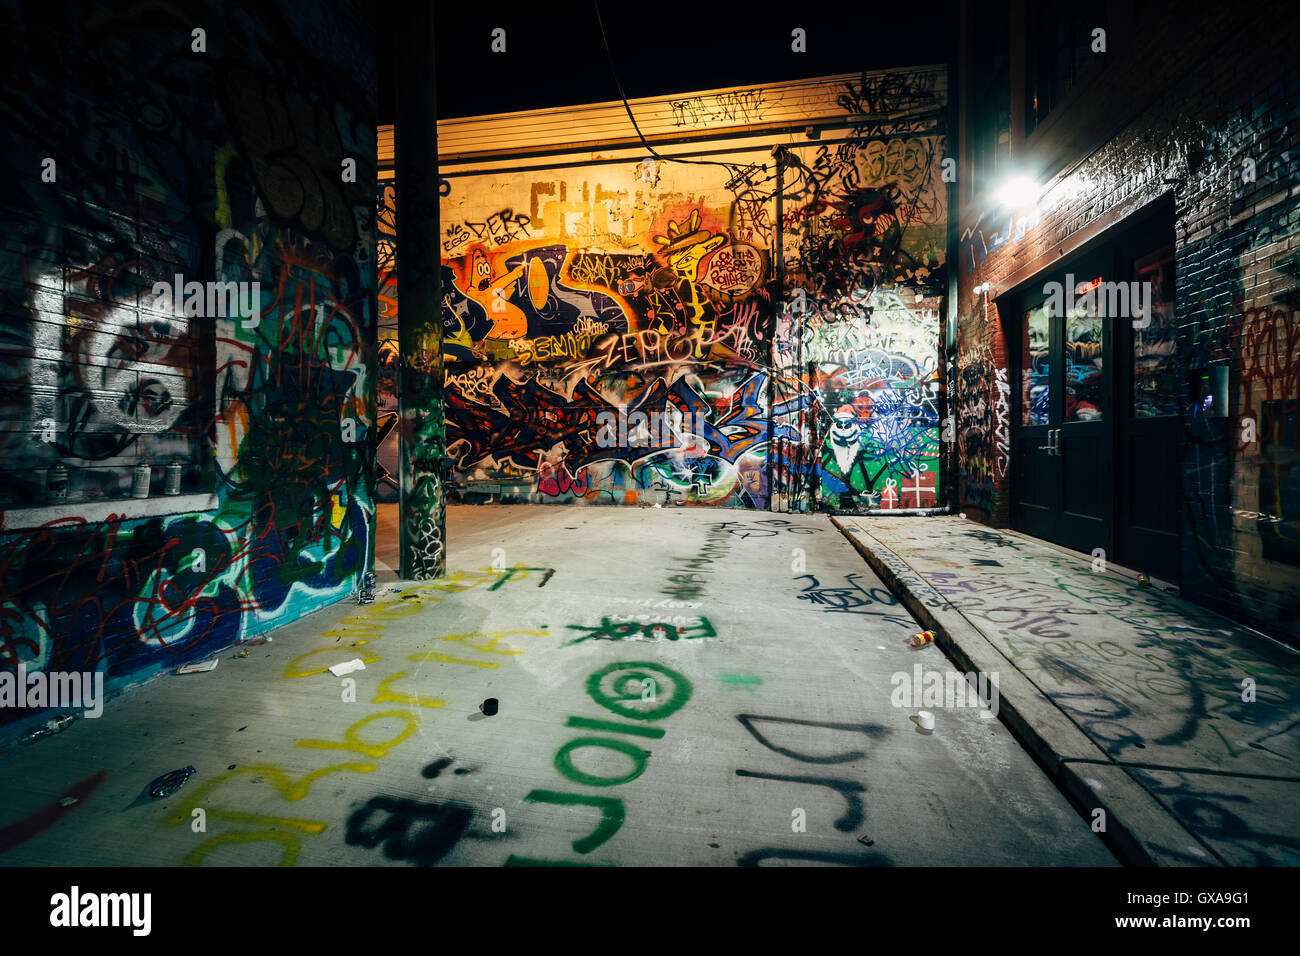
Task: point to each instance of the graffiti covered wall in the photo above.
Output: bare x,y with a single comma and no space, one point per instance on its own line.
864,232
605,353
759,330
1219,146
180,477
1241,470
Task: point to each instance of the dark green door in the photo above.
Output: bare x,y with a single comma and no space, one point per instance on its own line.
1095,424
1062,487
1147,466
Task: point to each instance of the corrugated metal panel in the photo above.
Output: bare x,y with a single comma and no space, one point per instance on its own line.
843,99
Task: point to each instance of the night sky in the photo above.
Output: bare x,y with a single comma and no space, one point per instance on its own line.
554,55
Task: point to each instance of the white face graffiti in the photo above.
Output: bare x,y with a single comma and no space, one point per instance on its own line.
844,441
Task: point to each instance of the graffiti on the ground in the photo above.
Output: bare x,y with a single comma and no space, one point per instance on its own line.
685,582
256,820
652,630
1140,671
852,598
638,691
847,788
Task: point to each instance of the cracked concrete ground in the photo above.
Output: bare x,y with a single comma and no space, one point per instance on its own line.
675,687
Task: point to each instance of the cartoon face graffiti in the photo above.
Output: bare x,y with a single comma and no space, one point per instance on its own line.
509,321
843,438
480,271
685,246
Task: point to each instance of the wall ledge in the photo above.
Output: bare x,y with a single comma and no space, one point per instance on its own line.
25,519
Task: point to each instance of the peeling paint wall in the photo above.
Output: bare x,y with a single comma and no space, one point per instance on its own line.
224,164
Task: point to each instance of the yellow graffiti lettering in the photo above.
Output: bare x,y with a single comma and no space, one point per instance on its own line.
287,840
396,609
289,789
384,696
495,638
352,742
292,669
447,659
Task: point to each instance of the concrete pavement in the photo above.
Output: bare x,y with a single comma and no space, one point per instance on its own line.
679,687
1176,722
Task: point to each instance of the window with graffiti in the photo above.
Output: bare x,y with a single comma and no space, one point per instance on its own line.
1036,363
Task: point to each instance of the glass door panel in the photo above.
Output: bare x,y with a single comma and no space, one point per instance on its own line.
1036,367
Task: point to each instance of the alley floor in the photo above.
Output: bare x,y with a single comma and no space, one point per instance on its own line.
673,687
1177,723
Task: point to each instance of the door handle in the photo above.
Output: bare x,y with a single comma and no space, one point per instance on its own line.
1053,439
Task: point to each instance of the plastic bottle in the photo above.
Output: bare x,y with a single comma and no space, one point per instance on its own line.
54,725
921,639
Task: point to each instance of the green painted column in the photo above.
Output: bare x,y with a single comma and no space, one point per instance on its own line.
419,317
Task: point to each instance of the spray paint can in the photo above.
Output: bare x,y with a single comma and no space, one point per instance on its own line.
140,483
56,483
173,482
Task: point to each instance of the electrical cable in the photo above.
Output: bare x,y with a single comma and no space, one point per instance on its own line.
731,169
737,172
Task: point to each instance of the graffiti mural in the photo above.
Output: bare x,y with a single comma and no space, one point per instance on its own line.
580,374
620,334
857,336
229,178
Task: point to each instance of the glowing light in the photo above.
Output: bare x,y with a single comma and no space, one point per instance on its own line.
1018,192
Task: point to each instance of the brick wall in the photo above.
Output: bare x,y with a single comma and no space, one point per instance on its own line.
1191,95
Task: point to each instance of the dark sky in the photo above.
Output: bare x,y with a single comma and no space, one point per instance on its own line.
554,55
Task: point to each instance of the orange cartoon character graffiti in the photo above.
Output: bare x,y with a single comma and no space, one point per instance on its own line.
509,321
